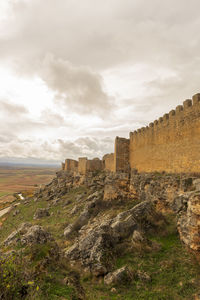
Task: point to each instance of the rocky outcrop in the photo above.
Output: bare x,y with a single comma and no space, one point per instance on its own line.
188,216
95,234
15,236
36,235
92,249
28,234
96,244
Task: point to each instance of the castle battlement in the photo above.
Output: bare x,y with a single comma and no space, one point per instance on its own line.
183,113
171,143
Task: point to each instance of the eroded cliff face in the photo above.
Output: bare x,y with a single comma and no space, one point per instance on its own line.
179,194
189,220
91,222
167,193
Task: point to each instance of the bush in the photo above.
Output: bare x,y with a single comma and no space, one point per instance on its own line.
15,278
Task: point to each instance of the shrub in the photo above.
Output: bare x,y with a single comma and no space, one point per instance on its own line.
15,278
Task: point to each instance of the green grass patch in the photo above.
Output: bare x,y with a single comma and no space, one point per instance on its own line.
174,272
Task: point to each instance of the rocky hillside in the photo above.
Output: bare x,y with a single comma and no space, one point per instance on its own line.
104,236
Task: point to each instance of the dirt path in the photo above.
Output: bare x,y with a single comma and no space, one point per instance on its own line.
4,211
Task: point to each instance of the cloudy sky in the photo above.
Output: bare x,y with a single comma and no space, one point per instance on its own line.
74,74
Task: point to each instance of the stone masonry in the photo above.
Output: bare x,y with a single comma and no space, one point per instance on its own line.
171,144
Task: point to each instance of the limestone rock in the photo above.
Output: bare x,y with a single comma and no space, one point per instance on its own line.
68,231
119,276
110,192
91,249
189,223
16,235
74,210
124,227
36,235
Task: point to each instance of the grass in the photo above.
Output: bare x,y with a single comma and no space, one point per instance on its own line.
174,272
59,215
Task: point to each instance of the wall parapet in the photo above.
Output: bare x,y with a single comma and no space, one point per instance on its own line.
171,143
177,128
174,116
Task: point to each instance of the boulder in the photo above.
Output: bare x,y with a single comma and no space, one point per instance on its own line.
36,235
124,227
121,275
92,248
68,231
16,235
189,223
111,193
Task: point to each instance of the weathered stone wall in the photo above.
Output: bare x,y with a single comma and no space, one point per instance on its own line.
71,165
121,154
82,165
171,143
108,162
86,165
94,165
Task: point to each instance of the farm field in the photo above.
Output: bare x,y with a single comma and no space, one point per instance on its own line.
19,179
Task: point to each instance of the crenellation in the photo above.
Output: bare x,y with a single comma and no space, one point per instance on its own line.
134,136
130,134
172,143
143,130
187,103
179,109
155,122
166,117
196,99
169,144
172,113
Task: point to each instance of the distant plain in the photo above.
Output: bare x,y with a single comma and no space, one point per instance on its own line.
19,179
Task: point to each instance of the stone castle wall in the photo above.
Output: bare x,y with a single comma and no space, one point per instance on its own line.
171,143
82,165
121,154
108,162
89,165
71,165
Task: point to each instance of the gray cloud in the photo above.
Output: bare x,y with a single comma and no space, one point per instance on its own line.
102,35
77,88
56,150
71,45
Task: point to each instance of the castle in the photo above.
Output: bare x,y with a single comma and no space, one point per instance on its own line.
171,144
